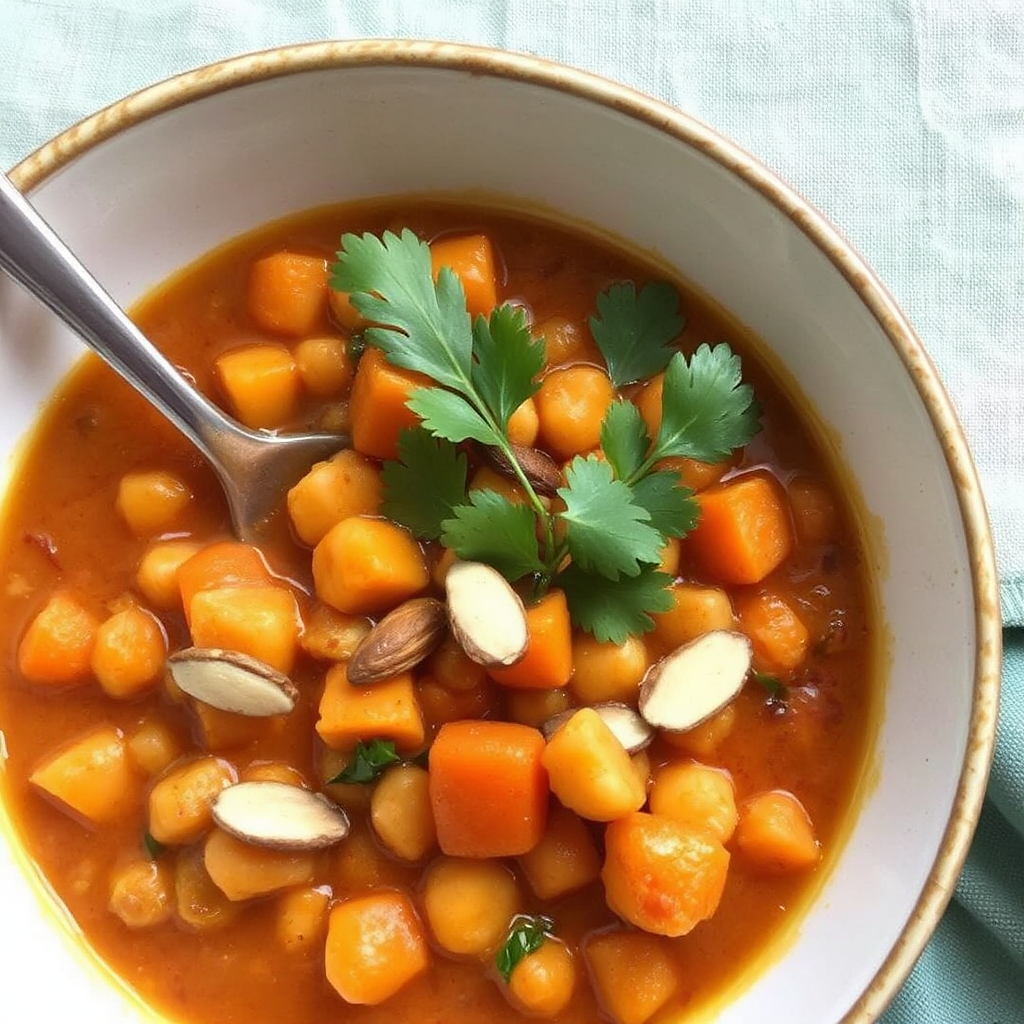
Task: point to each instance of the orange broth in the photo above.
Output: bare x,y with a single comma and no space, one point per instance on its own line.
61,528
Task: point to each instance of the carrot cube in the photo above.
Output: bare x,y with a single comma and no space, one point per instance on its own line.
363,566
386,710
262,384
377,404
775,833
634,974
92,777
375,946
744,530
488,788
58,644
776,633
547,663
288,293
472,259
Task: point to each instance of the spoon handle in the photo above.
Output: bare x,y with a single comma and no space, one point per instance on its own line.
33,255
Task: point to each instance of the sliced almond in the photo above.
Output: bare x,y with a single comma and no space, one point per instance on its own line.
694,681
486,615
232,681
402,639
538,467
279,816
625,723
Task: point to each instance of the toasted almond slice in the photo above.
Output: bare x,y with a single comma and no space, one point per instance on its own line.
626,725
538,467
402,639
232,681
279,816
486,615
695,680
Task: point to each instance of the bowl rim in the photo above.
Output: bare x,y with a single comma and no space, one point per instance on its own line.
263,65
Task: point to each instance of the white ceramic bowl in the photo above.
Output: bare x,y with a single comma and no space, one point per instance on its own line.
149,184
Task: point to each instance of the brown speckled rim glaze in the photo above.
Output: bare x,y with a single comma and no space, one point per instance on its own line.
292,60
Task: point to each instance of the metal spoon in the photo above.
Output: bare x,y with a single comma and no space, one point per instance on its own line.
255,468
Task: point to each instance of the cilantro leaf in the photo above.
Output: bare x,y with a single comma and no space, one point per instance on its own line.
607,532
494,530
526,934
635,331
624,438
422,488
368,762
706,411
390,282
673,511
613,610
776,689
450,416
507,359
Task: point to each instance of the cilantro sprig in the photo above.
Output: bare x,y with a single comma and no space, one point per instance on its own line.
602,546
526,934
368,762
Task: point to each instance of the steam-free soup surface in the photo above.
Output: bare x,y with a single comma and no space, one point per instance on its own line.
79,569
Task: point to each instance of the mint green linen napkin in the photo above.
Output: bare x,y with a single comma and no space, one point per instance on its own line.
903,120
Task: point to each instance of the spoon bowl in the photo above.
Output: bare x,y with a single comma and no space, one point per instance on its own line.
255,468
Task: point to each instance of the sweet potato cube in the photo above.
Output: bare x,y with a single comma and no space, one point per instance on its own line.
242,871
375,946
634,974
488,788
775,833
377,404
92,776
57,647
744,530
386,710
590,771
262,622
225,563
778,636
262,384
288,293
472,259
364,566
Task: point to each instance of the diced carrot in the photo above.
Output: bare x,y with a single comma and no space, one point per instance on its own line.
634,974
590,770
777,634
564,860
488,788
262,384
547,664
346,485
377,404
129,652
660,875
262,622
92,776
288,292
365,565
472,259
222,564
387,710
775,833
375,946
58,644
695,610
744,530
242,871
